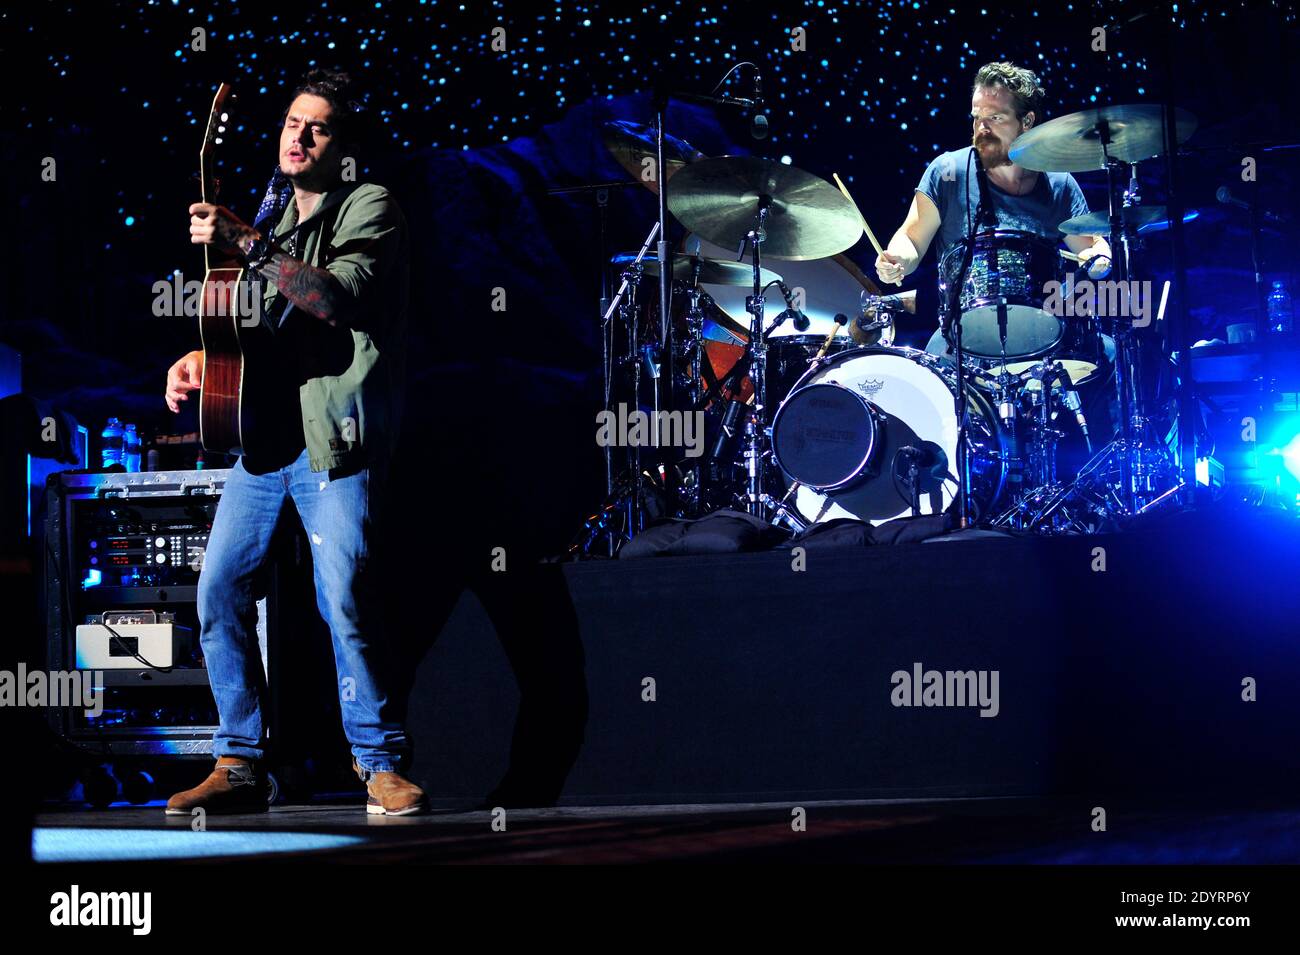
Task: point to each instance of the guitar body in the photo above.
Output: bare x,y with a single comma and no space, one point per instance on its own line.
239,380
243,389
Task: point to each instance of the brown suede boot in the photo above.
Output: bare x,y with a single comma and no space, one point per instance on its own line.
391,794
233,786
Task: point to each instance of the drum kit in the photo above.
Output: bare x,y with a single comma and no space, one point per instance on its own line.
812,412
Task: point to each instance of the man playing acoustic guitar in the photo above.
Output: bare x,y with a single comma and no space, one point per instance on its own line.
335,261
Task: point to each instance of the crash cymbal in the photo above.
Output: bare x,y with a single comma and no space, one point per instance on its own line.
1072,143
1098,223
633,143
807,217
712,271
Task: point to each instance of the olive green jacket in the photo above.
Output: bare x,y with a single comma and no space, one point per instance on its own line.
351,411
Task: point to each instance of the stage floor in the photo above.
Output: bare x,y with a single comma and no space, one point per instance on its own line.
957,831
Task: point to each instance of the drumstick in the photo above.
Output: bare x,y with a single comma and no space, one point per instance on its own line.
875,244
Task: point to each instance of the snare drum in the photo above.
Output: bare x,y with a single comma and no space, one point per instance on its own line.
1005,265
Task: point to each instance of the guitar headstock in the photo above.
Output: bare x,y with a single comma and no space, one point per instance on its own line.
213,135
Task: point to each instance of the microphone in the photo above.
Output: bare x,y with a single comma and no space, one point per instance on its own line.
800,320
984,214
1225,196
727,430
919,467
758,124
1072,403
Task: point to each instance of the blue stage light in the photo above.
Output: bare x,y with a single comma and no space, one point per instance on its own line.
1290,455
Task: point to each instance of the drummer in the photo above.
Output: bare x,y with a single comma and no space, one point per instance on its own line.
1006,101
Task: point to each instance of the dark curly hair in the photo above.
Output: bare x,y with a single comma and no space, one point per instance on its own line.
1027,94
349,111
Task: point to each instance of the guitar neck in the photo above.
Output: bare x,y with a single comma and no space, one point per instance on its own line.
209,185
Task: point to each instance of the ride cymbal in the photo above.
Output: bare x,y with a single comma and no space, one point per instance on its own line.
1073,143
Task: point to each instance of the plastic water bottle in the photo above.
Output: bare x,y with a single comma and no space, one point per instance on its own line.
131,448
112,437
1281,320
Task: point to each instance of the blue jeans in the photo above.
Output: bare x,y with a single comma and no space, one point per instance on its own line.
338,513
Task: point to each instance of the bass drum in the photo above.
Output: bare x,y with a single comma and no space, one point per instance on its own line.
839,434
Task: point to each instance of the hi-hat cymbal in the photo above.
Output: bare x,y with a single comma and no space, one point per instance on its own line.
1072,143
1134,218
633,143
712,271
807,217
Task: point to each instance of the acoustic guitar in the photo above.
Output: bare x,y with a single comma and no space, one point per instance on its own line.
239,393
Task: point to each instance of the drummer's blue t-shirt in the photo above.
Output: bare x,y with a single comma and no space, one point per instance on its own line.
1055,197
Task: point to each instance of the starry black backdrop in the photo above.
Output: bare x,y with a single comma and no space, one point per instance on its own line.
502,405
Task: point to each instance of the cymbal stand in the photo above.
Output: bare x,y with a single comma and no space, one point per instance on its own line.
694,353
1120,271
624,302
962,404
1042,447
756,421
1143,463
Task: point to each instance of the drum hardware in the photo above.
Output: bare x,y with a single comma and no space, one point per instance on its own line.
1095,491
1043,436
1110,138
600,192
960,400
755,433
763,207
784,513
900,302
694,340
829,286
1004,417
624,303
884,308
872,326
1045,389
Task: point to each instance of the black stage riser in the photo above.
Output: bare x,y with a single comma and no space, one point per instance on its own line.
776,684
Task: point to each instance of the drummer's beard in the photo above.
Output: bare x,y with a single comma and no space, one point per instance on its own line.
990,149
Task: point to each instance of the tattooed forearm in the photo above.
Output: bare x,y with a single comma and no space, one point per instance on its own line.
311,289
